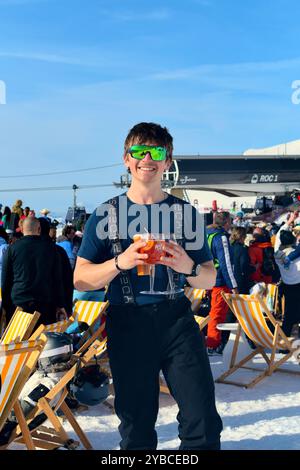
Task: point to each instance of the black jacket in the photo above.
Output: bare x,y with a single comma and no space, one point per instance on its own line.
67,279
241,267
32,271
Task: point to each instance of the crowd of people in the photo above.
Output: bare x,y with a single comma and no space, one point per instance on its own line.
36,265
247,254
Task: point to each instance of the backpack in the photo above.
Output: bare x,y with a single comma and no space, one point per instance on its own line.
268,267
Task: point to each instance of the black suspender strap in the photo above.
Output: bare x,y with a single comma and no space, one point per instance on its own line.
113,233
178,229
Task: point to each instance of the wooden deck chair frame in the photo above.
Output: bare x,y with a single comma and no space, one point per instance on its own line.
50,438
88,313
53,437
20,326
98,353
275,341
19,363
202,322
94,331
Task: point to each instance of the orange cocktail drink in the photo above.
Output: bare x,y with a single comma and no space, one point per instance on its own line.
155,249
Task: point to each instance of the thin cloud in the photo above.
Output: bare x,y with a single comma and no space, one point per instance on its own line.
52,58
202,70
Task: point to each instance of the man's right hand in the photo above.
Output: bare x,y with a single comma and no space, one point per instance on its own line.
130,257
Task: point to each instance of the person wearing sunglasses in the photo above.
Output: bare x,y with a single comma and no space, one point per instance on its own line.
151,333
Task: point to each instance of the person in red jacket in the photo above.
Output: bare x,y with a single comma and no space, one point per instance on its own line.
256,255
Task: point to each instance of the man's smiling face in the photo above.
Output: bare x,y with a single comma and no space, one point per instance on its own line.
146,170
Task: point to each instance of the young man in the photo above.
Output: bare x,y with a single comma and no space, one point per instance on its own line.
149,333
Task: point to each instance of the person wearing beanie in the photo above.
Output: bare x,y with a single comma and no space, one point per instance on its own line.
240,221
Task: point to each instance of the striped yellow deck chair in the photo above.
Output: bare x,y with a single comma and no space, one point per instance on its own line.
252,314
92,313
84,311
17,362
196,297
58,327
88,311
20,326
271,297
55,436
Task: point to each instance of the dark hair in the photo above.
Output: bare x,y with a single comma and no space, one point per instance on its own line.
45,226
261,235
220,219
149,132
68,229
287,238
7,212
274,228
4,234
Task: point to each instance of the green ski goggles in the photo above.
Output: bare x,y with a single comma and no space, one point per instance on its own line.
158,154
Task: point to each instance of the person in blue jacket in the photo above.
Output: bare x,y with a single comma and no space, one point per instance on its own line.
66,242
218,241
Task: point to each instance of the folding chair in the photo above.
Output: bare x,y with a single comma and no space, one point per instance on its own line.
17,362
271,298
20,326
58,327
94,314
90,312
84,311
50,438
252,314
195,296
55,436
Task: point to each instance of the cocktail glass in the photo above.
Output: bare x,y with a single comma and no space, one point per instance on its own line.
171,289
155,249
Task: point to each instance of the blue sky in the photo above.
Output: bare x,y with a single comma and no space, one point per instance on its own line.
79,74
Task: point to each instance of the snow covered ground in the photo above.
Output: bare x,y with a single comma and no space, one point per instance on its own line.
264,417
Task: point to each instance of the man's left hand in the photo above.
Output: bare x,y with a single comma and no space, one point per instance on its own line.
178,258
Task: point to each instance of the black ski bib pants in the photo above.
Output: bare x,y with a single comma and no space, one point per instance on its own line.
142,341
